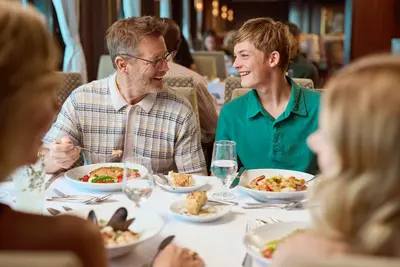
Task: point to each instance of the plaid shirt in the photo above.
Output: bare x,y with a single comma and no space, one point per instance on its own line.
95,117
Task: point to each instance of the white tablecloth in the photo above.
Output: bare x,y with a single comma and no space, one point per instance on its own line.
218,242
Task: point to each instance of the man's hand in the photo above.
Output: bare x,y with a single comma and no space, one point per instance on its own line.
63,154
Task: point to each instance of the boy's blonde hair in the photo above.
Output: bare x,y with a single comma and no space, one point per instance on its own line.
267,36
360,202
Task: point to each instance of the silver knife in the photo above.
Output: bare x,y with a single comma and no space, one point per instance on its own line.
162,245
54,177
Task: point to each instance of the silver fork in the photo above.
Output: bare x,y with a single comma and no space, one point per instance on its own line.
247,261
250,225
272,205
166,180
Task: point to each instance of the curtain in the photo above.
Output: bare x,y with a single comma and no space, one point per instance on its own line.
132,8
68,18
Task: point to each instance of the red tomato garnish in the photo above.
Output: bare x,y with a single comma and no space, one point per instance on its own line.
137,175
119,179
85,178
267,253
100,182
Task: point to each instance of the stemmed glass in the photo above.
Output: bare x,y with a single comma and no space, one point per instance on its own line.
137,188
224,166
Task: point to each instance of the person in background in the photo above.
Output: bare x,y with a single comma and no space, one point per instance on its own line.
210,41
183,56
271,123
206,102
122,111
299,65
28,106
357,144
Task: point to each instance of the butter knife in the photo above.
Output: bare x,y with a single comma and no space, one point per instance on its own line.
237,179
52,179
162,245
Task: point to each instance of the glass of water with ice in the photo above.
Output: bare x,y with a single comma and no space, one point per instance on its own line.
29,183
224,166
138,183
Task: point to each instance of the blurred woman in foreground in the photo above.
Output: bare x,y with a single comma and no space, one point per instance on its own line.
28,106
358,149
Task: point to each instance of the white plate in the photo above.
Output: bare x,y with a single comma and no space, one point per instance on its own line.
179,210
147,224
198,183
75,174
249,175
255,240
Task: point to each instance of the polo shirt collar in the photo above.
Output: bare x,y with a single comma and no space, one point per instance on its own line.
119,102
295,105
254,106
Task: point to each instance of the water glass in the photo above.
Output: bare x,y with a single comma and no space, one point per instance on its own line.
138,188
224,166
29,183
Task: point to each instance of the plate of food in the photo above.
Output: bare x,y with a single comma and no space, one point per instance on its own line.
266,184
103,176
262,242
195,208
122,231
181,182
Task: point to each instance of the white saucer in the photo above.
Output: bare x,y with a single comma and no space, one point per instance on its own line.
198,181
179,210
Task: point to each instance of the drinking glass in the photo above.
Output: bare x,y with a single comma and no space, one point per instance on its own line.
224,166
29,182
138,189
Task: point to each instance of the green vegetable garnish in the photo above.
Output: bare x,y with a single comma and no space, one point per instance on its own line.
104,178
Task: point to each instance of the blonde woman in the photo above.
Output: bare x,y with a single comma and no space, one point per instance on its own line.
358,148
28,59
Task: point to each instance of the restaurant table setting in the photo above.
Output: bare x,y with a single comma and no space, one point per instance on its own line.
219,239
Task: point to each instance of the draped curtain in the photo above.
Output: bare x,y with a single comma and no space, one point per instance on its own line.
132,8
68,18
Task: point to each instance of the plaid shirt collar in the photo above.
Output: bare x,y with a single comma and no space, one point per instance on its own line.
119,102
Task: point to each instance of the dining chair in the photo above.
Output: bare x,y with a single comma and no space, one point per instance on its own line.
233,83
206,66
70,81
190,94
39,259
178,81
105,67
218,56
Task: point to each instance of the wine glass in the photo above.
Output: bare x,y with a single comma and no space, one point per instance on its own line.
137,188
29,182
224,166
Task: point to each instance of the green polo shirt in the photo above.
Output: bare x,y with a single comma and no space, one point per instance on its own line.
265,142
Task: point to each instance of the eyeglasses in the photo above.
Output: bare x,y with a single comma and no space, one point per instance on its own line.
157,62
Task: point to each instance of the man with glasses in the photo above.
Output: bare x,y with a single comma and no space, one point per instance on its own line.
129,111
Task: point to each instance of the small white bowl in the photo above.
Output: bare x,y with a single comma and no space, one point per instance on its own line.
147,224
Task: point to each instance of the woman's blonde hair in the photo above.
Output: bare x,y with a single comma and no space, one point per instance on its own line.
360,201
28,59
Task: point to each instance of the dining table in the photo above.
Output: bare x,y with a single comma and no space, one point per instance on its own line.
219,243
